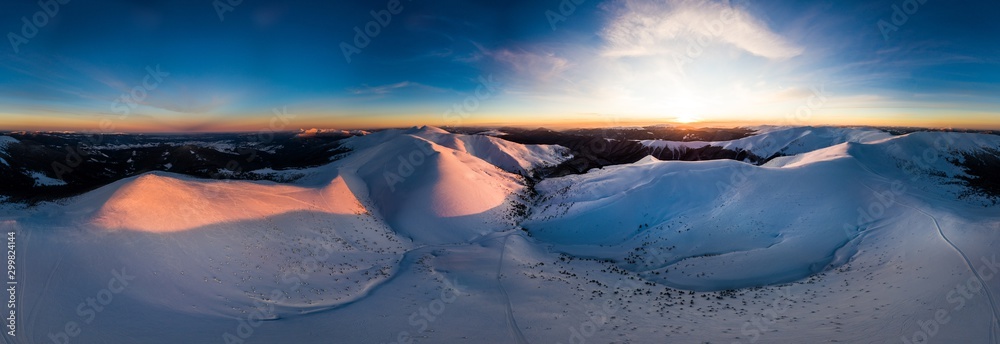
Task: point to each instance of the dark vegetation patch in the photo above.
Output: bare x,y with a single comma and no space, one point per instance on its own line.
87,162
983,174
596,148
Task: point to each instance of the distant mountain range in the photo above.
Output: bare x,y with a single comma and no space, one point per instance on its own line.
771,234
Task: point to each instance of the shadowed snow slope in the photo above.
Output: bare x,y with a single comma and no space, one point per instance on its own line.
714,225
431,193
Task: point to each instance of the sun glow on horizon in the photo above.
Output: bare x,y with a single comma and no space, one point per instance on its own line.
687,119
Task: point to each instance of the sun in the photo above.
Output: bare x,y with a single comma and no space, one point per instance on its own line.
687,119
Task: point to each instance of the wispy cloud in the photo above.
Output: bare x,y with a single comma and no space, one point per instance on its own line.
732,62
382,90
650,27
534,65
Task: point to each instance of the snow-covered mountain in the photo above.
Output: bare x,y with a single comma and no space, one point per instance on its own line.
770,141
509,156
4,141
727,224
419,235
420,179
331,132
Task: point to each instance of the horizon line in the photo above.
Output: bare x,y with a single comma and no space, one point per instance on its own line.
686,126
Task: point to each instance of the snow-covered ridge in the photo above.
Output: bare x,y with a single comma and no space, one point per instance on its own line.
509,156
5,141
419,180
771,141
491,132
330,132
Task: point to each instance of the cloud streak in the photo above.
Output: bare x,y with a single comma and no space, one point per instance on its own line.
649,27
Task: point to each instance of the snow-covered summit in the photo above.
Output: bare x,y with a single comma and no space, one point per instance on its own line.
509,156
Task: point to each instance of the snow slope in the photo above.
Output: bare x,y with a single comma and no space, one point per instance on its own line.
713,228
166,202
219,249
410,238
715,222
446,196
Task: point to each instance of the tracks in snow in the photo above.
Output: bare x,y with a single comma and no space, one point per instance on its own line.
511,321
995,322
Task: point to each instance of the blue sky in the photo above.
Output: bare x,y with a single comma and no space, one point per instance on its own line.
601,62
